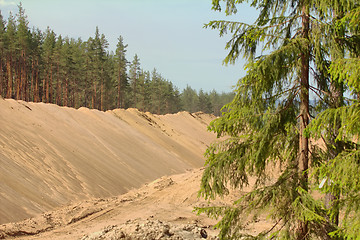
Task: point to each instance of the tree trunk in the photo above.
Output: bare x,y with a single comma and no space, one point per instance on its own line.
66,91
50,88
119,88
2,84
24,87
58,86
74,94
36,91
32,84
94,95
102,91
10,78
135,93
304,116
18,80
47,92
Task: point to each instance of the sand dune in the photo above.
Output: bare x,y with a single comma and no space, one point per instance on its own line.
52,156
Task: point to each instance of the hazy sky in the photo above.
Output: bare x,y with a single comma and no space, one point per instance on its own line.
166,34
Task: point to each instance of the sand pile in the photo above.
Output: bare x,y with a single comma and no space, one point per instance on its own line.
162,209
52,156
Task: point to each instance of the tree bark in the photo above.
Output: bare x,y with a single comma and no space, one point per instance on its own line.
94,94
102,89
10,78
119,88
36,90
304,116
1,76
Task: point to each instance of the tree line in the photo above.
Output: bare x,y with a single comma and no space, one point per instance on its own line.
45,67
290,146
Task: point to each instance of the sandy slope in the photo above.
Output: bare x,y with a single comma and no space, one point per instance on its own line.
52,156
163,206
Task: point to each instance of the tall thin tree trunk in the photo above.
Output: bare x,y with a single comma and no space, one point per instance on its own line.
32,87
10,78
50,86
2,84
36,91
94,94
66,91
74,94
304,116
58,86
25,90
119,89
18,81
135,93
102,91
45,80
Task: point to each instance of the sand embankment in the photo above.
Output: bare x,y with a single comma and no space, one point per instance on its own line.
52,156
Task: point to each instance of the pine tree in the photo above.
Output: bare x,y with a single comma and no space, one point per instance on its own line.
10,42
267,121
48,58
121,64
35,47
59,70
204,102
23,41
2,56
134,73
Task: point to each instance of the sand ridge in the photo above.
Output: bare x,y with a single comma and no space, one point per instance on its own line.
52,156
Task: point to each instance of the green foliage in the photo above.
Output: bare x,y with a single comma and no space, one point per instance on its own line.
348,71
344,169
263,126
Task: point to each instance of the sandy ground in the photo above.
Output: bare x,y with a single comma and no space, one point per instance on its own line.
86,174
166,203
52,156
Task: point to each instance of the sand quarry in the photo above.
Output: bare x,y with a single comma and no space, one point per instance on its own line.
85,174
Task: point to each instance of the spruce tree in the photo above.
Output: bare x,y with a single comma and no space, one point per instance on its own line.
341,167
267,121
204,103
189,99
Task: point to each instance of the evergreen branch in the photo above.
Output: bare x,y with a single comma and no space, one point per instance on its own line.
282,23
289,101
283,92
268,231
316,90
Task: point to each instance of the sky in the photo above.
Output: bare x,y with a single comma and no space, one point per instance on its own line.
165,34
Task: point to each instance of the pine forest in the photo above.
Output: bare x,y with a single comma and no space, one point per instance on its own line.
45,67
